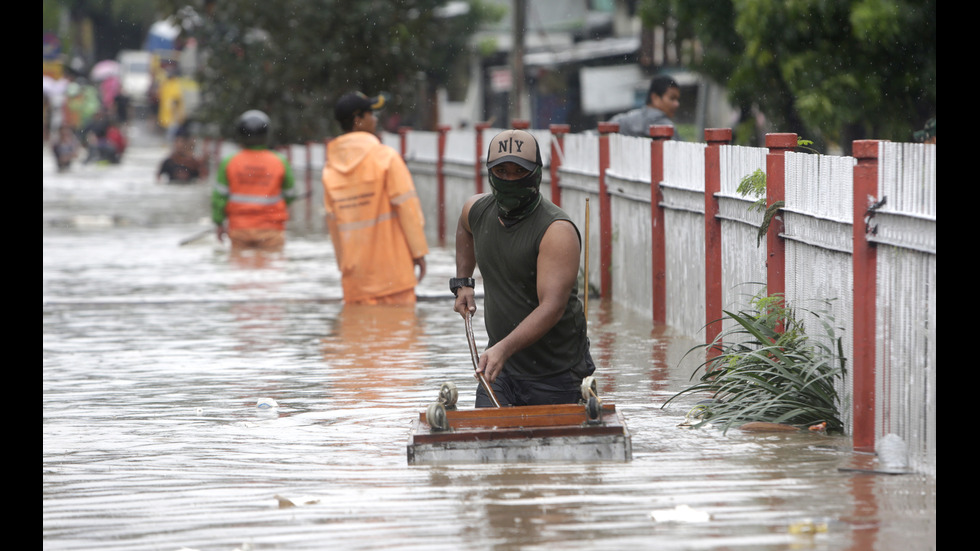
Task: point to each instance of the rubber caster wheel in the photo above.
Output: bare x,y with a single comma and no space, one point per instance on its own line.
593,410
589,388
436,416
448,395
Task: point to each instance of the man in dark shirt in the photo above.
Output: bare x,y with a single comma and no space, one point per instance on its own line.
182,166
527,250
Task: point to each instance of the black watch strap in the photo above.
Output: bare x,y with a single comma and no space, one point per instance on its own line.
456,282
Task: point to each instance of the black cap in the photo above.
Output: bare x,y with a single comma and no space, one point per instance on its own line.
350,104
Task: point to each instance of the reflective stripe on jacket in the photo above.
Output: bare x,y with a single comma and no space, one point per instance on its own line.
374,215
253,189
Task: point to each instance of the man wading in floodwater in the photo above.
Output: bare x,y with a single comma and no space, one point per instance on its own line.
527,250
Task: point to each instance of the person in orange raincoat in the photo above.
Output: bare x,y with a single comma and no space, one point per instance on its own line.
253,190
374,215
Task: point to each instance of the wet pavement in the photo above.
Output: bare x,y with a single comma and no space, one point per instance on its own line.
155,357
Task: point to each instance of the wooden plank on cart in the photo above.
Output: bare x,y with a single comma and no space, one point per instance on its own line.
521,434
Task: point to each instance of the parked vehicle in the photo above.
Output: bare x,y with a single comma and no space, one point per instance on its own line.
135,74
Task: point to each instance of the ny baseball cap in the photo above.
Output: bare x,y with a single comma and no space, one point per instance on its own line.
515,146
350,104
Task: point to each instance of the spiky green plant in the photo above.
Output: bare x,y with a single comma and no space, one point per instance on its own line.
771,370
754,185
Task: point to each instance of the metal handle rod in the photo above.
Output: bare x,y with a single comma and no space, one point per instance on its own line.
476,358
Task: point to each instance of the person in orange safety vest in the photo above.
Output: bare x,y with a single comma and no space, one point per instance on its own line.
253,190
374,215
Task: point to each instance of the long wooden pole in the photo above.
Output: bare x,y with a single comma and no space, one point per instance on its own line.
586,273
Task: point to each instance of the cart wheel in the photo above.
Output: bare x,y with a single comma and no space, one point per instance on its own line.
448,394
589,388
436,416
593,409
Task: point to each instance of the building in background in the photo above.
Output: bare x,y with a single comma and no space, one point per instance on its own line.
583,61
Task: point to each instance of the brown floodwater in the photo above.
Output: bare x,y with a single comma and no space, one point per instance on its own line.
155,357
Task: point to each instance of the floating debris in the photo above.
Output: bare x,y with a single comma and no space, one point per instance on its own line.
285,502
681,513
266,403
892,452
809,527
762,426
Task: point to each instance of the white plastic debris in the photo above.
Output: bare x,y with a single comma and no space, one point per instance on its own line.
266,403
681,513
892,451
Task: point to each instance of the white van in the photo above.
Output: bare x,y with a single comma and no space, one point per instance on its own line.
134,74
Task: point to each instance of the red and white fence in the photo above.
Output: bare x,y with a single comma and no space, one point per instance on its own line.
858,231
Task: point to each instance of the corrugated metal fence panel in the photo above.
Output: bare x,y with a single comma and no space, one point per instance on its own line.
819,267
632,256
628,183
683,190
391,139
461,146
581,153
422,146
743,255
575,188
426,186
629,157
906,314
684,165
543,138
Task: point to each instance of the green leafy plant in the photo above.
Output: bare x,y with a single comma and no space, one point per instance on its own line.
770,370
754,185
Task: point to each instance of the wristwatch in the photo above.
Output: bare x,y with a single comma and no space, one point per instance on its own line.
456,282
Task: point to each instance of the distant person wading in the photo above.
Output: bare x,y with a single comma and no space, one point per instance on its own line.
253,189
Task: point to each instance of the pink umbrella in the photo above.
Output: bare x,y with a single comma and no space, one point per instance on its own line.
104,69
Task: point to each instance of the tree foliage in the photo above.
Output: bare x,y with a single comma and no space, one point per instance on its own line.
117,25
294,58
836,70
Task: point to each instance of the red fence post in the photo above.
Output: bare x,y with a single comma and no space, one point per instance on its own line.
478,164
605,211
865,261
660,134
403,139
441,183
558,132
778,145
715,137
520,124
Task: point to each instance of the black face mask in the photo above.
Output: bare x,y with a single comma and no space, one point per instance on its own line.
516,198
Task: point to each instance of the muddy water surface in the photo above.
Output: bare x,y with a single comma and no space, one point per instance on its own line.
155,357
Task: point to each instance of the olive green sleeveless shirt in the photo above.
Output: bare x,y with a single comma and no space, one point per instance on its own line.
508,258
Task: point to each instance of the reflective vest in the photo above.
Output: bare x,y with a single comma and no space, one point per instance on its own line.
254,190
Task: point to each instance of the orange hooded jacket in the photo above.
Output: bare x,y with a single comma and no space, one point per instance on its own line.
374,216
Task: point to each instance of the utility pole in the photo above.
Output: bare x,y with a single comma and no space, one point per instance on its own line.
517,60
